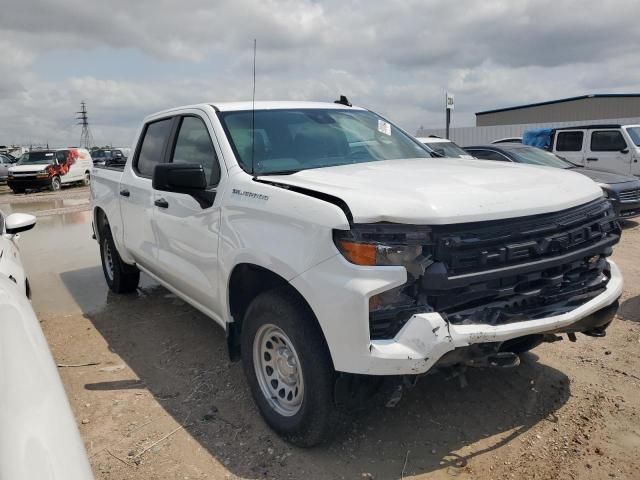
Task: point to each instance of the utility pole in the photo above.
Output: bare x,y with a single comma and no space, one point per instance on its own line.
448,103
86,139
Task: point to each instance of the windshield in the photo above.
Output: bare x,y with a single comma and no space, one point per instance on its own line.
447,149
634,133
37,158
535,156
290,140
101,154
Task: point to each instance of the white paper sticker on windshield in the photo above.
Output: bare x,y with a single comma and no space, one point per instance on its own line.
384,127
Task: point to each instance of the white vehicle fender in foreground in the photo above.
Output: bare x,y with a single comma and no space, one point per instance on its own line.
39,438
281,230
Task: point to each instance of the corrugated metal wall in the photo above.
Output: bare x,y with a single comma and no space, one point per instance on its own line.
465,136
579,110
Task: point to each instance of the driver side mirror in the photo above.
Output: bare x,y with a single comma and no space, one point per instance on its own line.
187,178
19,222
624,150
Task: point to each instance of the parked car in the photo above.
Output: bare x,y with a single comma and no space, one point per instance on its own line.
508,140
622,190
611,147
327,242
39,437
50,169
5,162
444,147
108,157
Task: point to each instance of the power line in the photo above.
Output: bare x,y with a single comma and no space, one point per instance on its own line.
86,139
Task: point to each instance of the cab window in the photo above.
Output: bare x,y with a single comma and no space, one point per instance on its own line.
194,145
607,141
152,147
569,141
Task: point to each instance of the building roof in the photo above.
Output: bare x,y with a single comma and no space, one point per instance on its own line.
561,100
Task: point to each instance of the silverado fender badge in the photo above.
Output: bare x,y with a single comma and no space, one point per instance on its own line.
246,194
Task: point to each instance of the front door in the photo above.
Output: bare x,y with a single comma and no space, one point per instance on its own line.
188,233
608,151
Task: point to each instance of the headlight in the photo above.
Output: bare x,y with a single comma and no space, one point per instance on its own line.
408,246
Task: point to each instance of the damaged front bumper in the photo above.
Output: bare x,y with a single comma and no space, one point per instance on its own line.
427,337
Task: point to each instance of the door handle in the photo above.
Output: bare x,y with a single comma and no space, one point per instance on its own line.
592,159
162,203
125,193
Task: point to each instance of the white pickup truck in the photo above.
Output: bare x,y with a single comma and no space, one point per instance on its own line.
328,242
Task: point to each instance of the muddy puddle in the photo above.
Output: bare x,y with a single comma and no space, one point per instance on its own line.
63,264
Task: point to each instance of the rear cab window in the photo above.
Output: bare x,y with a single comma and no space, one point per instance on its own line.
569,141
152,146
607,141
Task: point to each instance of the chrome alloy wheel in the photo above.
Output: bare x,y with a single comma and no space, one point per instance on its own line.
277,367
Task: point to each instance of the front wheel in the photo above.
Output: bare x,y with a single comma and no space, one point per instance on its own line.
56,184
288,368
120,277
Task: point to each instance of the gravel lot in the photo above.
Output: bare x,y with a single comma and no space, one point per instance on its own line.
162,400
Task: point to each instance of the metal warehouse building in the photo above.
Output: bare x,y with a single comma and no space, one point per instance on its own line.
622,108
574,109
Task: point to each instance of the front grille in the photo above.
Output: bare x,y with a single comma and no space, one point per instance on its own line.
630,195
512,270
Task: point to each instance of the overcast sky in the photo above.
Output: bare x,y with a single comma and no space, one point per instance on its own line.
129,58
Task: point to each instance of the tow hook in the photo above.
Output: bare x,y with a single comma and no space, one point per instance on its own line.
498,359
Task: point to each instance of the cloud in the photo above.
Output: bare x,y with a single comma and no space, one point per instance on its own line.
396,57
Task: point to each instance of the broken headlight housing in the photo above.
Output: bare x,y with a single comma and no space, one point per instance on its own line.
409,246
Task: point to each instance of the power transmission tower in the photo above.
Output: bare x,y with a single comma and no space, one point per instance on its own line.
86,139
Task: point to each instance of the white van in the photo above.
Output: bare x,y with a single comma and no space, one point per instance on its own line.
611,148
50,169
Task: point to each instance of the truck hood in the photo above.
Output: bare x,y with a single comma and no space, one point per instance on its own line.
28,168
445,191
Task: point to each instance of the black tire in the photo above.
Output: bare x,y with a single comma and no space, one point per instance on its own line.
522,344
318,415
56,184
120,277
18,190
86,181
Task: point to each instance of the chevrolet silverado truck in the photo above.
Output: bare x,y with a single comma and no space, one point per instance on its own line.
331,247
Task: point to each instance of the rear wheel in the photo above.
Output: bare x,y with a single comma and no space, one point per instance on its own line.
86,181
120,277
17,190
288,368
56,184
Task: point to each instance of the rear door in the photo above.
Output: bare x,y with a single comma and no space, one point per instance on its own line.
188,234
569,144
608,151
136,194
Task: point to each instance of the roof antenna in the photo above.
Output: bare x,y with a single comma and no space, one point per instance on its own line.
343,100
253,111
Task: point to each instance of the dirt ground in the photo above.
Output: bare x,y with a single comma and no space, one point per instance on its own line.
162,401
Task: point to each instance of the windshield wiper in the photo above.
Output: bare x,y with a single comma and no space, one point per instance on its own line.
278,172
